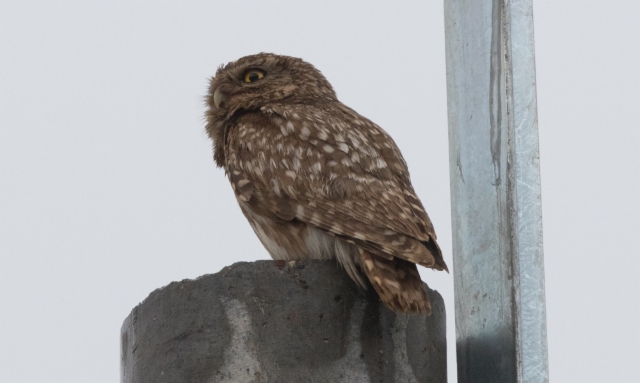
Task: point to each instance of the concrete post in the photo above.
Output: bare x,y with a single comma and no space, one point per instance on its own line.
272,321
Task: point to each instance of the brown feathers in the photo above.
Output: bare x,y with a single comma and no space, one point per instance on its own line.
397,282
317,180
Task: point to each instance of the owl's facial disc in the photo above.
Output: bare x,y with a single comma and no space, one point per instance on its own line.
219,98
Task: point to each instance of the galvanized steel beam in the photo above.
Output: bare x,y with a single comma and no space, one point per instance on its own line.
495,191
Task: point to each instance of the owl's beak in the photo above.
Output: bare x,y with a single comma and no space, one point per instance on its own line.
219,98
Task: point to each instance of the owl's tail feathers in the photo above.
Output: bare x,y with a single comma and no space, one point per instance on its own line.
397,282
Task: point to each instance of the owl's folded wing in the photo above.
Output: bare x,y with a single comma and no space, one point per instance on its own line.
336,170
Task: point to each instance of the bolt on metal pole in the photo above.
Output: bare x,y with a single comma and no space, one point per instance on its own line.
495,191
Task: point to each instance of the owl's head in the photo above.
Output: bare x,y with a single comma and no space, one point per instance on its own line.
254,81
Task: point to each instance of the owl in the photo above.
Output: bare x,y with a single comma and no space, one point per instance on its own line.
316,180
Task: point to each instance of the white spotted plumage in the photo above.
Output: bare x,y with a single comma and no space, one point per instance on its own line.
317,180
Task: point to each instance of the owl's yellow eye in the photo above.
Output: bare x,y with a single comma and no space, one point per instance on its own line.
253,75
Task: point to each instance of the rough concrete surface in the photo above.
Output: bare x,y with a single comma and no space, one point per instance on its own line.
283,322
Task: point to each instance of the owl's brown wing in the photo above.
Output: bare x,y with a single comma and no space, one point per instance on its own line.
330,167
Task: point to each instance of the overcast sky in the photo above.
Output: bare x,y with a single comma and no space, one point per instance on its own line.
108,189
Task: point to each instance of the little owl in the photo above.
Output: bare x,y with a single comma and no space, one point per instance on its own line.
317,180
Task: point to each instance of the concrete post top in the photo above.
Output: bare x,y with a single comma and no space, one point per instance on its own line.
270,321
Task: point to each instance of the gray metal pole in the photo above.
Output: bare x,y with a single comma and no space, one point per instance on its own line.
495,191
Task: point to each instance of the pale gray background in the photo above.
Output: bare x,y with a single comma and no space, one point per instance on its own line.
108,189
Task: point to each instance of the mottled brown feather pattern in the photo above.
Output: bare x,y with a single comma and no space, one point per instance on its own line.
397,282
317,180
